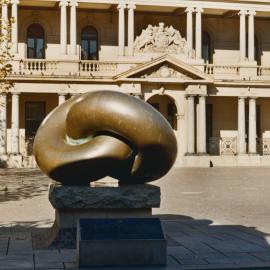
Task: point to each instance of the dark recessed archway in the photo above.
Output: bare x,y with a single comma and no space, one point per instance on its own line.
166,106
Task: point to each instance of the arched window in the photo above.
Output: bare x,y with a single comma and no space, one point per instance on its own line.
35,41
206,47
89,43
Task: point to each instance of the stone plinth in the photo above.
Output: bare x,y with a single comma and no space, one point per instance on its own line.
73,203
104,197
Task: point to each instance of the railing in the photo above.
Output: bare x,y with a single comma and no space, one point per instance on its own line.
64,67
92,66
111,68
37,65
263,71
213,69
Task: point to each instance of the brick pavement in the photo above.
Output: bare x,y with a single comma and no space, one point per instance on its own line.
193,243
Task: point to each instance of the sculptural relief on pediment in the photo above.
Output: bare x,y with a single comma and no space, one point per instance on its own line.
160,39
166,72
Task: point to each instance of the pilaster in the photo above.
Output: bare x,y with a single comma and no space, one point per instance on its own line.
63,27
131,8
252,131
241,126
73,27
191,126
189,34
3,124
121,28
198,32
15,124
251,35
14,27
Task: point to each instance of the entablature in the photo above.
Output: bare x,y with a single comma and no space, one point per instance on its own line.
161,5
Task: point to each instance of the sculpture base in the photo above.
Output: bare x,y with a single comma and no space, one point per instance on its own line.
73,203
120,242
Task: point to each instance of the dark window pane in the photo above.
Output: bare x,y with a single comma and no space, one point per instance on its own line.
40,48
34,114
84,50
206,47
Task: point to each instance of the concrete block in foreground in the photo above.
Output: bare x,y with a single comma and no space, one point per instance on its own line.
120,242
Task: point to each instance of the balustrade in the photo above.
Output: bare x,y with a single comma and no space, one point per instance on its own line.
263,71
84,67
213,69
48,67
92,66
37,65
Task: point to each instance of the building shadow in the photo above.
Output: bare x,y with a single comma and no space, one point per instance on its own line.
204,242
18,184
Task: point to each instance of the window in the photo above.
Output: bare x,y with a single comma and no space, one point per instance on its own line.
35,42
206,47
89,43
35,112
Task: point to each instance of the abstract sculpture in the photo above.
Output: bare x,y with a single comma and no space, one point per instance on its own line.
105,133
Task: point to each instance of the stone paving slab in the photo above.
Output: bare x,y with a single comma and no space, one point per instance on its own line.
200,233
197,251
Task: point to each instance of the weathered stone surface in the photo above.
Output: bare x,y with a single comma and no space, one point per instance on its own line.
122,197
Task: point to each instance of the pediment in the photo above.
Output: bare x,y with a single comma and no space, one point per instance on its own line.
167,69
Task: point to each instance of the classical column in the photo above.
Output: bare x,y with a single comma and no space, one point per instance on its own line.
131,8
15,123
14,29
121,28
4,23
3,124
252,127
199,33
63,25
201,124
241,126
251,37
189,35
191,123
242,37
61,98
73,27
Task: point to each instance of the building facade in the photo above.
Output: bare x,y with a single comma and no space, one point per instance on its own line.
205,65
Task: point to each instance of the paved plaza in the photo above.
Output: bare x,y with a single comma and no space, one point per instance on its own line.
214,218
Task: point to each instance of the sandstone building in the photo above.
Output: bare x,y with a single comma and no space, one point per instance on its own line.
205,65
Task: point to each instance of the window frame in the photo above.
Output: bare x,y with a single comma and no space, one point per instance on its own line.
89,58
35,38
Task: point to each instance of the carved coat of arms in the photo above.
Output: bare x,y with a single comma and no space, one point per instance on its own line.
160,39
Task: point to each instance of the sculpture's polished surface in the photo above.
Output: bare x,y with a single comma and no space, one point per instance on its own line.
105,133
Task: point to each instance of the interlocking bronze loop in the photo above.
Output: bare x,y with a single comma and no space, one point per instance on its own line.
105,133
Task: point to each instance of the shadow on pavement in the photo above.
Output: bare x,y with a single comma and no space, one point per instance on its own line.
201,242
16,184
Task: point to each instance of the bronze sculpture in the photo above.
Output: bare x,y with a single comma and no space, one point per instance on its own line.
105,133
